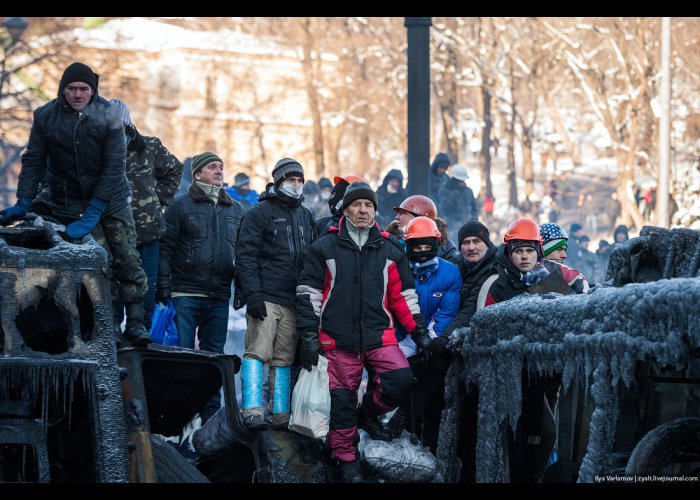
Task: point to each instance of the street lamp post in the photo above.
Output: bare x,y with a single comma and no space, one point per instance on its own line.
418,52
15,27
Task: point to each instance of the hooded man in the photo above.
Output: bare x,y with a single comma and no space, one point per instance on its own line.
438,175
456,200
390,194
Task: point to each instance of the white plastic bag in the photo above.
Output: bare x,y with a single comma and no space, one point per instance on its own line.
311,402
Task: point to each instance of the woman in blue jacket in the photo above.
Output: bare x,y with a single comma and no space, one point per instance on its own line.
438,284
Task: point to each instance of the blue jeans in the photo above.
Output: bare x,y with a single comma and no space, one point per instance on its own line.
211,316
149,263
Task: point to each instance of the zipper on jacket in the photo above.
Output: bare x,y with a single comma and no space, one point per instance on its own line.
303,243
290,242
75,150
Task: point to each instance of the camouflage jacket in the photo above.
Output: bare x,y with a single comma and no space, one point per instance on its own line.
154,174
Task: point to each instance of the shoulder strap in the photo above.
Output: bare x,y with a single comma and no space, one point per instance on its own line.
484,291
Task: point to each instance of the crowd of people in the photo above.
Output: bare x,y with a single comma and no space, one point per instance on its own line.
372,280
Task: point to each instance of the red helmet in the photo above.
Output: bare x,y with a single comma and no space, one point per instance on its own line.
421,227
523,229
350,178
418,205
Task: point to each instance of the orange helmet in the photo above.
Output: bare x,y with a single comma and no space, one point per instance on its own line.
421,227
418,205
523,229
350,178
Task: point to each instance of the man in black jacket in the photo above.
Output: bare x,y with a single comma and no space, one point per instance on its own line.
356,280
197,259
477,253
275,235
77,149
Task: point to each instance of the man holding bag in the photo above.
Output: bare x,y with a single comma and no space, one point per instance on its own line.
354,279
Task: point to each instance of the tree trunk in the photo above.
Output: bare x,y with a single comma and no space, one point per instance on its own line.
569,144
625,192
528,171
510,137
307,64
485,157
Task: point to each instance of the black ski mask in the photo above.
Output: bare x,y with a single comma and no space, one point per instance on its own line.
425,255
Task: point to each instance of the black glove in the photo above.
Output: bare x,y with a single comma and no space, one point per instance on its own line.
257,310
421,337
438,344
163,294
310,349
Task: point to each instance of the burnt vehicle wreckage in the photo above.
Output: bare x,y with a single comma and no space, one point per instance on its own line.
74,409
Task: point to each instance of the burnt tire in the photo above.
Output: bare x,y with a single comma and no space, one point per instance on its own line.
171,467
671,443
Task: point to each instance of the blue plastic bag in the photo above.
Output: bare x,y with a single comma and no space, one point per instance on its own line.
163,330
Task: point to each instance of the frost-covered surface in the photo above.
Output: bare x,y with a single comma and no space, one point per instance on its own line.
599,337
657,253
63,271
397,461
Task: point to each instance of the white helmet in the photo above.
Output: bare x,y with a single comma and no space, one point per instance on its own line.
459,172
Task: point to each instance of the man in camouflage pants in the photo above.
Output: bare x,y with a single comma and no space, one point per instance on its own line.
154,174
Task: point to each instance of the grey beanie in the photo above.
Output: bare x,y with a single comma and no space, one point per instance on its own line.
285,168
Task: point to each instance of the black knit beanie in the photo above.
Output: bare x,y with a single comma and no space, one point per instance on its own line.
79,72
474,228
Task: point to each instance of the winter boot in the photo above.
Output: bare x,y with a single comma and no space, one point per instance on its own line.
350,472
371,424
136,332
279,383
251,380
398,423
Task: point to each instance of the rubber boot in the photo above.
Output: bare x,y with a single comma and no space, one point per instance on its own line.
279,383
135,331
251,380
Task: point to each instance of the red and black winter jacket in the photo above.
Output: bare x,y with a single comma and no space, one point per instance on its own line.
348,294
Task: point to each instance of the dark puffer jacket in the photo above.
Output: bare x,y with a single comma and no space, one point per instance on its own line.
387,201
472,278
351,295
77,155
197,249
275,235
457,204
437,181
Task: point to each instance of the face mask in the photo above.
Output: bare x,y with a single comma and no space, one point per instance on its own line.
325,195
291,191
391,189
